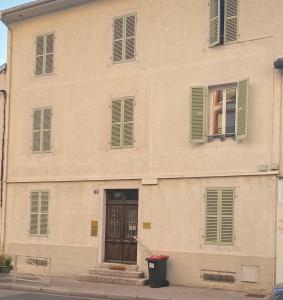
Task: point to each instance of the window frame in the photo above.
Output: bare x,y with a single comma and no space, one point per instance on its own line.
44,35
219,215
210,111
38,234
41,109
124,39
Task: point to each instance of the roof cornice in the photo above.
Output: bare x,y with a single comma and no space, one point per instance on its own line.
3,68
36,8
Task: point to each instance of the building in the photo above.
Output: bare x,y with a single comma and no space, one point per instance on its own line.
158,120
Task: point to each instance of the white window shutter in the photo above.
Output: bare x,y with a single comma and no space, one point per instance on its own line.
197,114
34,213
36,134
46,135
227,216
214,22
39,55
43,228
130,47
211,216
230,21
118,39
242,109
116,127
128,124
49,57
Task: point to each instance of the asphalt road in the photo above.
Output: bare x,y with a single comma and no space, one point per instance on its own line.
12,295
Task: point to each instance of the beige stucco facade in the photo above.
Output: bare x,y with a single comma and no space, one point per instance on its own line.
170,173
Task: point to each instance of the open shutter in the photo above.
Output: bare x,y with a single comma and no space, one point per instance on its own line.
118,39
44,213
227,216
128,122
242,109
34,209
130,37
46,135
49,57
214,23
36,132
197,114
116,127
230,21
211,216
39,55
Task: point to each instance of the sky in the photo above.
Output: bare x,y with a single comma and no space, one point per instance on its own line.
3,30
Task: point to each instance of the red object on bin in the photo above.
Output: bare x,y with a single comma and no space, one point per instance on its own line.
157,257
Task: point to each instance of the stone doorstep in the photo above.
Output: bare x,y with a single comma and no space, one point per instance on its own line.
62,292
119,267
116,273
113,279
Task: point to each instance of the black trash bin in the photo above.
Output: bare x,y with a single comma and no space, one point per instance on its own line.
157,266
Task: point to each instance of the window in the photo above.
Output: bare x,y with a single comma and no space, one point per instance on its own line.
226,111
41,131
124,38
122,129
223,112
219,216
44,54
39,213
223,21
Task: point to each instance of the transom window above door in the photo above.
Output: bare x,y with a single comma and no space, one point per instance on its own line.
223,112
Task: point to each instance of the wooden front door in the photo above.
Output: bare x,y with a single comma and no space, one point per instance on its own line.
121,226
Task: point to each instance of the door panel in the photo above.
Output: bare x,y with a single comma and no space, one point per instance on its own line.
121,226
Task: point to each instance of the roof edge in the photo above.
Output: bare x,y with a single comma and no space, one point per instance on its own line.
3,68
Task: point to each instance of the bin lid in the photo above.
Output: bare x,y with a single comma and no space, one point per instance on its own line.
157,257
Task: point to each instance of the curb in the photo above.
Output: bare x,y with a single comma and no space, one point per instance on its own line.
62,292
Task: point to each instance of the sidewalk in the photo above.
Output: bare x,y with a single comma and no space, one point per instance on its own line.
73,287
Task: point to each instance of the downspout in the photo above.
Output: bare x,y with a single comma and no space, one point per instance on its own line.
4,167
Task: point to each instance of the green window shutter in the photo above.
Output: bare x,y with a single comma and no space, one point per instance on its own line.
46,134
227,216
34,213
118,39
44,203
197,114
230,21
130,42
49,49
128,122
39,55
214,23
211,216
116,128
242,109
36,134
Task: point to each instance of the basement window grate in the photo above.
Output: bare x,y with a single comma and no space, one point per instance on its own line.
218,277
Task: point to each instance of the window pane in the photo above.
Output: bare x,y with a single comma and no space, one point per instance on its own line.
115,195
132,194
230,110
217,112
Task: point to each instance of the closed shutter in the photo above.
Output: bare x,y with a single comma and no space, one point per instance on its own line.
242,109
118,42
46,134
116,128
197,114
128,122
214,22
49,53
227,216
230,21
34,213
36,134
130,37
39,55
211,223
43,228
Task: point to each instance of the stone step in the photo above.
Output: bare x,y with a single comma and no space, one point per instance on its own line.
114,266
113,279
116,273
